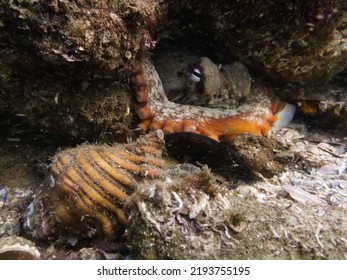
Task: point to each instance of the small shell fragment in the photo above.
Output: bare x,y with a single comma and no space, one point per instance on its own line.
302,196
18,248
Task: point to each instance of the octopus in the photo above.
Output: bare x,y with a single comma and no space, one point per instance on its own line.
218,101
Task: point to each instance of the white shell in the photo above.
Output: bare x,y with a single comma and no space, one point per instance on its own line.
18,248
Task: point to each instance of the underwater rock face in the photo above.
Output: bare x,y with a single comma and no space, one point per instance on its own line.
190,216
255,154
63,64
65,101
105,34
323,105
295,41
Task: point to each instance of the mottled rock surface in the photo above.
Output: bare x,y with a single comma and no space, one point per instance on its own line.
291,41
64,64
104,34
183,219
323,105
58,100
297,214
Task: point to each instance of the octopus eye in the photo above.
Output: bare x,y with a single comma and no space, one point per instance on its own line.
195,76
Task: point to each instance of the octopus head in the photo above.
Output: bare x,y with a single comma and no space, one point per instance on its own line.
216,86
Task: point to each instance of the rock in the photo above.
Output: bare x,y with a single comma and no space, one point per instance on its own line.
53,253
255,154
64,64
9,222
323,105
182,219
103,34
290,41
61,101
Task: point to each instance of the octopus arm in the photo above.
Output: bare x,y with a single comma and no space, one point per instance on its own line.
257,116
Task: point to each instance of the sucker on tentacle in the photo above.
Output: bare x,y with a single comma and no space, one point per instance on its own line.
256,115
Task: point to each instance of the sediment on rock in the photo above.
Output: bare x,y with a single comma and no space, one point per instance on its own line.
64,65
105,34
290,41
182,219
